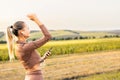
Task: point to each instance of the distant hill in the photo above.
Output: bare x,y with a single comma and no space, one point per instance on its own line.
115,32
97,34
58,34
62,34
2,36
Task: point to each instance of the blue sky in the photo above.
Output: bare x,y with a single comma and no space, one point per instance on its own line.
63,14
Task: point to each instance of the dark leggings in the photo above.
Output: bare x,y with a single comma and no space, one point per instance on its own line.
34,75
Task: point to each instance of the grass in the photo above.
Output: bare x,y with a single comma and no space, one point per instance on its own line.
67,63
72,46
113,75
80,46
97,66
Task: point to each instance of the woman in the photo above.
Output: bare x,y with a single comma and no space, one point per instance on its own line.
26,52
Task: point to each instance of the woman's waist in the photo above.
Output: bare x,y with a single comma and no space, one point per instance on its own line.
35,72
34,68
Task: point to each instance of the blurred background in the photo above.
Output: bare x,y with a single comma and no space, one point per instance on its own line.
85,38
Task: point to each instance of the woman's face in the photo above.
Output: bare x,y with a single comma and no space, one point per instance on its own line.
25,31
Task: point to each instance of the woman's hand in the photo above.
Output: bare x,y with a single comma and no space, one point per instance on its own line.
32,17
46,54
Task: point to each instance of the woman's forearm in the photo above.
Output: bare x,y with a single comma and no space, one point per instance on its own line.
45,32
43,28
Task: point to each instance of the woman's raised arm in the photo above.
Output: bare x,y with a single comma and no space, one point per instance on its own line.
39,42
34,18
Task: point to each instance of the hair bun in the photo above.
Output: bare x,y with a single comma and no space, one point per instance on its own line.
11,26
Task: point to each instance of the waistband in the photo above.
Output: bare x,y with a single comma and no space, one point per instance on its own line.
36,72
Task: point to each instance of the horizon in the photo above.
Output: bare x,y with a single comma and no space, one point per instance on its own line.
72,30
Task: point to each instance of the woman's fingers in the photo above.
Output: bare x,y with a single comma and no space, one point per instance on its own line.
32,16
48,53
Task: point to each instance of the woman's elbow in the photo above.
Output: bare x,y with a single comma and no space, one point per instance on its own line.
48,37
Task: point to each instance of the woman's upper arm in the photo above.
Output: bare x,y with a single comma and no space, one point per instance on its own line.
35,44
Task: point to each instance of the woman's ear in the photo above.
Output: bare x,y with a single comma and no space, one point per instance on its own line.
20,32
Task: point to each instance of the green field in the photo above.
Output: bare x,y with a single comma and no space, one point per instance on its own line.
95,66
90,59
72,46
113,75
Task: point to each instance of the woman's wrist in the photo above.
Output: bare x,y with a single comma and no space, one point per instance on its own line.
45,56
38,22
42,59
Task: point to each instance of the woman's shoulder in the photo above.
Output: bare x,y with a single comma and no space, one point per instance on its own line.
27,46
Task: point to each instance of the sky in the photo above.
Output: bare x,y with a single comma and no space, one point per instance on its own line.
63,14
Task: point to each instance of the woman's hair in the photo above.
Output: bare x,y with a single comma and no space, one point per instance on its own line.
11,31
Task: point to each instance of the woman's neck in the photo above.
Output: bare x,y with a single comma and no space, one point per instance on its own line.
21,39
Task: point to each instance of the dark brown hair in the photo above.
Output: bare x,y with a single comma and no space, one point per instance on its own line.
17,26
